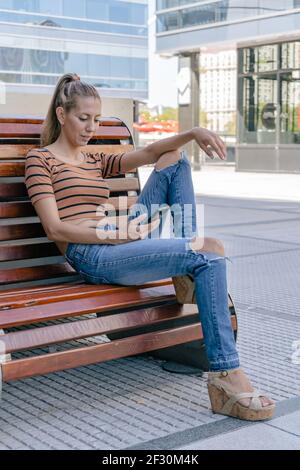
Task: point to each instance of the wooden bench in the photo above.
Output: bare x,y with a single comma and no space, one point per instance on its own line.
37,285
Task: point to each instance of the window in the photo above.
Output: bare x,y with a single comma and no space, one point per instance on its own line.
290,108
269,94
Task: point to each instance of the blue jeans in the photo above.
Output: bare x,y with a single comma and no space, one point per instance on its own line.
150,259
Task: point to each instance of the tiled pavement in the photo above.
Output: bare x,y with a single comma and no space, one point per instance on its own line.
133,403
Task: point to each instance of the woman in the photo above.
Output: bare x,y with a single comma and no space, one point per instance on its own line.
68,189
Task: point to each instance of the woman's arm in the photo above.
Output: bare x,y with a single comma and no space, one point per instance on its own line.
89,232
208,141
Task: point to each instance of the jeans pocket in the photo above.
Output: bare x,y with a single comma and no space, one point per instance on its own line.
93,279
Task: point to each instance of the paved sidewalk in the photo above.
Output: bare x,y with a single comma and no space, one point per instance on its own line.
133,403
279,433
224,181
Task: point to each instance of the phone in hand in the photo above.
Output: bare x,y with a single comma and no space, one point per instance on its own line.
161,210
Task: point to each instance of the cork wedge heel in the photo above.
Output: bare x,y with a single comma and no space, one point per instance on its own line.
185,289
225,401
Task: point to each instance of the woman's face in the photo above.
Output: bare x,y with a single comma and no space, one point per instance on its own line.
80,123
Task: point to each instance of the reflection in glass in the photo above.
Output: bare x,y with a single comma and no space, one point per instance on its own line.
290,55
267,104
67,23
249,111
249,60
108,10
267,58
201,12
290,108
118,70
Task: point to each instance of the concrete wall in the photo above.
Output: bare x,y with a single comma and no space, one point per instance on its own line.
268,158
17,103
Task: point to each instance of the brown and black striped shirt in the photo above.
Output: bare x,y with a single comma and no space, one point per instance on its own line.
79,190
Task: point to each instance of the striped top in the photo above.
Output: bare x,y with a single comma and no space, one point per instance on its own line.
80,191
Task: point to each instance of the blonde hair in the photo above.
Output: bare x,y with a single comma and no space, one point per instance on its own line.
68,88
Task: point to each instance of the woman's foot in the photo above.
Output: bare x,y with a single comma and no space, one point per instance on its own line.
232,394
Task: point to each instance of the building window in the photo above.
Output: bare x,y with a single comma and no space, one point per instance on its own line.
290,108
269,94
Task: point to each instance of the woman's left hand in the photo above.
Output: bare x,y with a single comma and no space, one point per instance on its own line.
210,142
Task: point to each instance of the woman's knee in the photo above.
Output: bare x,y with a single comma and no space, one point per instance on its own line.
209,245
167,159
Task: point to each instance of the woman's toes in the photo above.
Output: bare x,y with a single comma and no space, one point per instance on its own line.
267,401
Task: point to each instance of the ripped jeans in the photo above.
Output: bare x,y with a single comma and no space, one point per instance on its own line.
151,259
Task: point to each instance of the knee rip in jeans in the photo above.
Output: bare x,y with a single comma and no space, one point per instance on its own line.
208,257
179,161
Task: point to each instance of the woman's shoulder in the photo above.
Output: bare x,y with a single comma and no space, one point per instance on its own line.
38,151
39,156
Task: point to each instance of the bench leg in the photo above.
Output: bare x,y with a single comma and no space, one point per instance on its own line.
4,357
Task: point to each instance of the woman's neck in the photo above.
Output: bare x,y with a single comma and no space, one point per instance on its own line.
65,150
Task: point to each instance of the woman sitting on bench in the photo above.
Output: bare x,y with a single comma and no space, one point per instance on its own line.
68,189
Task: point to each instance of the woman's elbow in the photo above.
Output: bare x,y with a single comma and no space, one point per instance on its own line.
53,234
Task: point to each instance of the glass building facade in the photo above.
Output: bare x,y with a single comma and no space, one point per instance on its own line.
269,88
182,14
104,41
265,37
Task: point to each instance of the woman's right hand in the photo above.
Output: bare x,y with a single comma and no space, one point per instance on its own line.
139,231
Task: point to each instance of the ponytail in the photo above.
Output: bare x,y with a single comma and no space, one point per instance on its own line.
67,89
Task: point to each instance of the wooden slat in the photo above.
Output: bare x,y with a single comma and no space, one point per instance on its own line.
19,291
60,292
18,231
36,337
12,168
54,334
13,190
100,303
11,151
104,121
21,119
38,250
102,352
9,130
17,129
25,208
16,209
19,151
34,273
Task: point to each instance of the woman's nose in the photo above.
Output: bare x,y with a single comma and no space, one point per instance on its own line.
90,127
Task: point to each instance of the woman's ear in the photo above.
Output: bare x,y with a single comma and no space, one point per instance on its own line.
60,114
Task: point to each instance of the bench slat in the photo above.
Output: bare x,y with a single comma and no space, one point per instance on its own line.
25,208
64,292
19,151
13,190
35,250
105,121
102,352
101,303
18,231
35,273
21,290
16,209
9,130
36,337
